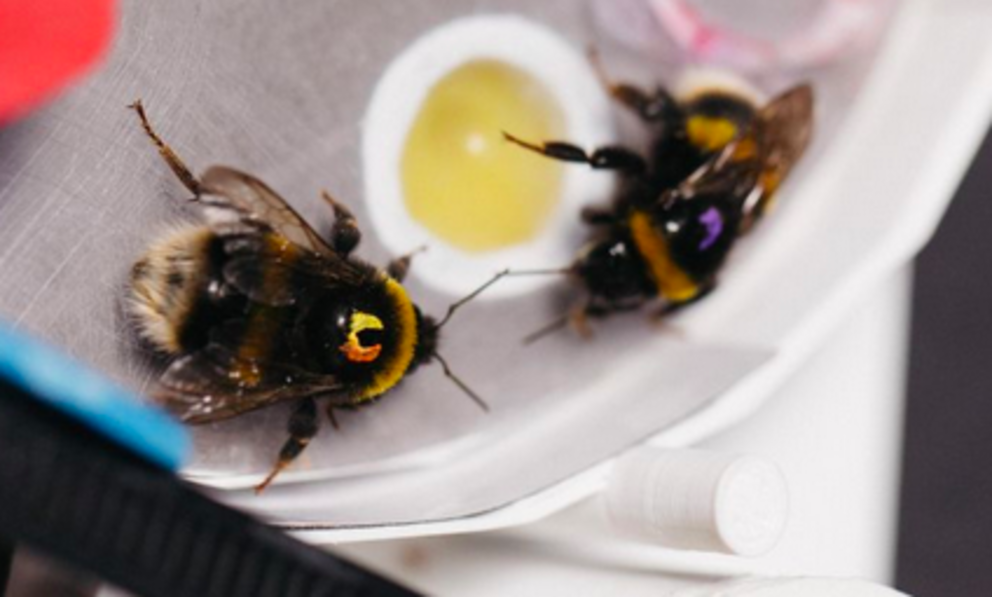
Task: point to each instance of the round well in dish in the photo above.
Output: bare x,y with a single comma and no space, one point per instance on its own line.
492,52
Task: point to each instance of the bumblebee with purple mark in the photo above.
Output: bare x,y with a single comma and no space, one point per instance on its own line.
257,309
716,161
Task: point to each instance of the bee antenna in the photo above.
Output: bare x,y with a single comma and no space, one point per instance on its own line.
507,272
461,384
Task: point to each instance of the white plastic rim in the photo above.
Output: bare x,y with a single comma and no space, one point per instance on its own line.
396,101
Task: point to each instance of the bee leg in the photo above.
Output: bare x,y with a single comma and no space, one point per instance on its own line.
303,425
345,234
661,321
612,157
398,267
579,317
578,320
598,216
668,308
659,106
183,173
331,417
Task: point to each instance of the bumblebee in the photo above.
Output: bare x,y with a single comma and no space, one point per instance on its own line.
257,309
715,163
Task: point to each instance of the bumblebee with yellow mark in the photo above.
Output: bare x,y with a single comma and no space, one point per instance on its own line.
715,162
257,309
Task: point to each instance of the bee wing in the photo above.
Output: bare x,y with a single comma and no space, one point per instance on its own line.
787,126
274,255
234,198
214,384
732,172
783,129
270,271
752,167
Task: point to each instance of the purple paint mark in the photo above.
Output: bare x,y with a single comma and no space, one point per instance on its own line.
713,221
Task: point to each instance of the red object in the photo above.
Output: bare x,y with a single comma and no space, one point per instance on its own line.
45,44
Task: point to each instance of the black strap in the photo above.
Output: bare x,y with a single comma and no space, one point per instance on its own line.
67,491
6,560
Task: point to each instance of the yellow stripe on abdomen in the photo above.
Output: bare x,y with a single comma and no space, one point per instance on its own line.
672,282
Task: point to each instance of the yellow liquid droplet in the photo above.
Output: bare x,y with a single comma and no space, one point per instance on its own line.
461,179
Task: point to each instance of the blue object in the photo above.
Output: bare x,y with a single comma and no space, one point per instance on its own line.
64,384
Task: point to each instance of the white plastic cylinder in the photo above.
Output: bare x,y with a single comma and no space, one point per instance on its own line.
694,499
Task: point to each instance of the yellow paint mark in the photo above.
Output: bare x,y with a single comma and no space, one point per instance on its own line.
673,283
710,134
461,179
353,348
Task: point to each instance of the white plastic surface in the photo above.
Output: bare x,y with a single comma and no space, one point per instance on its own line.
834,429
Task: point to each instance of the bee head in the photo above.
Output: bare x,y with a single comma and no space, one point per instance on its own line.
427,339
612,269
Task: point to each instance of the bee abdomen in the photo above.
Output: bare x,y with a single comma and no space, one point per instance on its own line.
167,285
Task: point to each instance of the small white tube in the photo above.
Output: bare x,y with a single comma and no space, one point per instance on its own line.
693,499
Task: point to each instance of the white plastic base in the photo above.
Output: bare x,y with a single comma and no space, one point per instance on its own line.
835,430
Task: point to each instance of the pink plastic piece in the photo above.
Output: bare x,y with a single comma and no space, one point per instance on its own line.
838,27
